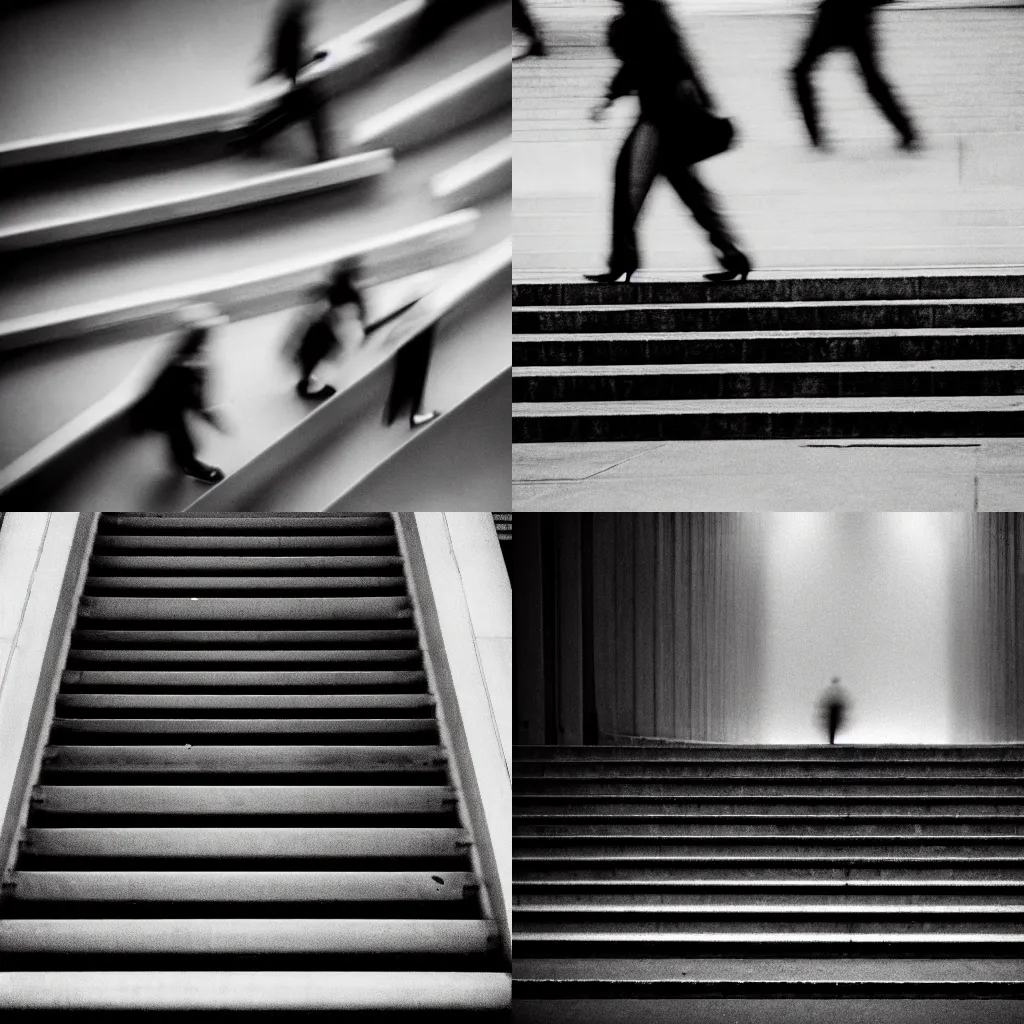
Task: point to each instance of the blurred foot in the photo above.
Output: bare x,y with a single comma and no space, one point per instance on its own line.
206,474
311,388
419,418
910,143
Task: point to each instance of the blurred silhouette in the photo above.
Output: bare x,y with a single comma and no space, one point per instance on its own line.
674,109
411,366
848,23
833,708
338,325
289,54
439,16
525,26
180,388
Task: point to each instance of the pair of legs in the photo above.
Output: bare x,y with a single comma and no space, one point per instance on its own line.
183,451
646,154
411,366
830,32
300,103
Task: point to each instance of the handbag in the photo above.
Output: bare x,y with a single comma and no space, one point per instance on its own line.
702,134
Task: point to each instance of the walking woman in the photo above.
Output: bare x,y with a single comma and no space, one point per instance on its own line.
673,104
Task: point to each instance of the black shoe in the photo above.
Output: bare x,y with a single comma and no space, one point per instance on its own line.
316,393
611,276
418,419
201,471
910,143
734,264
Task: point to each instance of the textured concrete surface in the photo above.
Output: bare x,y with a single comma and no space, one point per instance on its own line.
774,476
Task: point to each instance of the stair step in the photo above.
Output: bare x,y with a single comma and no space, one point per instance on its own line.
324,702
206,654
117,522
339,638
768,847
246,800
722,915
809,805
190,726
536,775
768,289
607,892
799,787
412,992
193,842
223,886
819,314
267,935
263,608
743,752
172,679
202,583
235,565
375,543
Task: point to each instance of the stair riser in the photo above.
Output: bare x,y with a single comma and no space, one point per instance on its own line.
826,807
656,902
524,754
697,386
772,290
922,315
762,871
538,351
791,788
537,775
833,829
768,847
762,426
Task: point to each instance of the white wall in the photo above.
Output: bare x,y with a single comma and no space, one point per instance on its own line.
865,597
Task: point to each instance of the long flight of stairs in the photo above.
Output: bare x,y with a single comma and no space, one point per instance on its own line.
735,872
934,356
246,801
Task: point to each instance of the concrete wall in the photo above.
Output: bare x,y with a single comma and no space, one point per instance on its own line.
464,610
43,557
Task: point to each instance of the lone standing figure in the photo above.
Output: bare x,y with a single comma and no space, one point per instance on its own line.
833,707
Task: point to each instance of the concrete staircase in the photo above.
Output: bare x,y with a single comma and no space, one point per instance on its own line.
933,356
739,872
246,800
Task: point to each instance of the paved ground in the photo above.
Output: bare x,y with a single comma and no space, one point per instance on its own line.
772,476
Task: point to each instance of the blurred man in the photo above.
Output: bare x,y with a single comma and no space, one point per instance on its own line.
289,54
848,23
833,708
180,388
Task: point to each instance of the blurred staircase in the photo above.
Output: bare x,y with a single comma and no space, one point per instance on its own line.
733,872
922,357
246,800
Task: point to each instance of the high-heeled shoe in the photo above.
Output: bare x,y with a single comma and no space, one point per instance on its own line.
611,276
733,265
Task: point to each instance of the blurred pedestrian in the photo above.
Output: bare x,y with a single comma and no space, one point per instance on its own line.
289,54
525,26
833,708
411,366
851,24
337,325
676,128
180,388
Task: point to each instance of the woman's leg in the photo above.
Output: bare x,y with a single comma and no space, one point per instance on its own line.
703,204
635,171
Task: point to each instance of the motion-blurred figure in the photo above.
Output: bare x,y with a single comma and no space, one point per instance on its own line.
338,325
849,23
525,26
833,708
439,16
411,366
656,66
289,54
181,388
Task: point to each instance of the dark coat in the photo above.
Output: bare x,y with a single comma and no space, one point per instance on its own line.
655,61
288,52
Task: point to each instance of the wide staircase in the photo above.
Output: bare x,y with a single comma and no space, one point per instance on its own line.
901,356
246,801
775,873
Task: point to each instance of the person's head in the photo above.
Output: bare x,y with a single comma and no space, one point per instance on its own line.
197,320
342,290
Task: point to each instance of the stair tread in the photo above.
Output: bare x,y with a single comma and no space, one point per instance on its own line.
683,407
839,333
809,303
833,366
